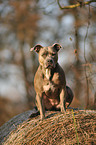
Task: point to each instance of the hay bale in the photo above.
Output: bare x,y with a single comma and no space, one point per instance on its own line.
57,128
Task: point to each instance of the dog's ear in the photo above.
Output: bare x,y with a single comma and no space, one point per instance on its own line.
57,46
36,48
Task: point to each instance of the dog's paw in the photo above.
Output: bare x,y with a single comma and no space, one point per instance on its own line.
63,110
42,117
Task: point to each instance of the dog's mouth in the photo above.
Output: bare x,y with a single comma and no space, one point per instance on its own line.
50,65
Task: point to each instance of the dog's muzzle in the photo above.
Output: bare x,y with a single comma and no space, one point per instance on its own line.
50,63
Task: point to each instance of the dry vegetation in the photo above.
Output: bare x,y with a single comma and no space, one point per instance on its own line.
57,128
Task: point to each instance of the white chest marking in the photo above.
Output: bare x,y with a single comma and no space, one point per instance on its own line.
48,73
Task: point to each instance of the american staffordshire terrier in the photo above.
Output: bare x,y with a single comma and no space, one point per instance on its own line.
49,82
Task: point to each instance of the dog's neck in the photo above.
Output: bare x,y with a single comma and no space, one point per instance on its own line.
47,73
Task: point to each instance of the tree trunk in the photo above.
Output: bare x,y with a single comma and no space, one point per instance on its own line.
27,84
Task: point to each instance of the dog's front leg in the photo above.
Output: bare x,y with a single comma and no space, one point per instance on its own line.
40,105
63,100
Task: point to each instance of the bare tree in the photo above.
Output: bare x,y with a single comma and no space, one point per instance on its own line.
21,19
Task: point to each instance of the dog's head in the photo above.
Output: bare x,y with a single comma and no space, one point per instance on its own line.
48,56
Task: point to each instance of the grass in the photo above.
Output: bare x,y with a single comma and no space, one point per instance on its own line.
75,127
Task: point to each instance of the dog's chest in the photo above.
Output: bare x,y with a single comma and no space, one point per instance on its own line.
51,86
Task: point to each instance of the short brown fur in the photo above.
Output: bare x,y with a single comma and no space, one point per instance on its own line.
50,82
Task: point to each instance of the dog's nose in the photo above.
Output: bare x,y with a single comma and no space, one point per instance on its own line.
50,61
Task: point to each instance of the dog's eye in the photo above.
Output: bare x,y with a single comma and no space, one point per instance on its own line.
44,54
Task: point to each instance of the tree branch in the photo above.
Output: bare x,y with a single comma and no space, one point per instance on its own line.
75,5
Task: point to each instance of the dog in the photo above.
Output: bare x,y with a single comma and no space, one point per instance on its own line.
50,82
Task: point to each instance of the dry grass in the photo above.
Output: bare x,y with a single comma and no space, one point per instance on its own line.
56,129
